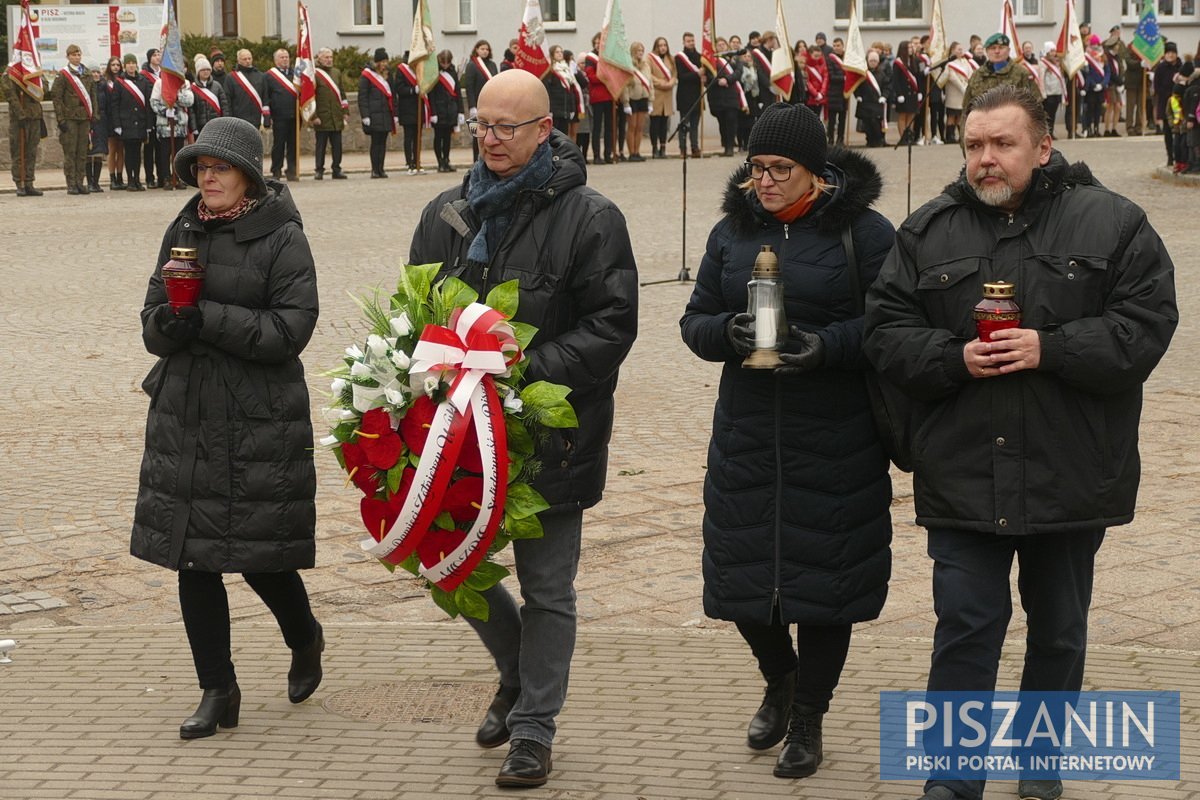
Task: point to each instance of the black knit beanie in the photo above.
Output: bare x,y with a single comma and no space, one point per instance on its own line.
792,132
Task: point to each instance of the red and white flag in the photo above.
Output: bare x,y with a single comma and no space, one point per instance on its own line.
708,37
938,48
531,53
25,65
306,68
855,61
1070,43
1008,27
782,60
174,67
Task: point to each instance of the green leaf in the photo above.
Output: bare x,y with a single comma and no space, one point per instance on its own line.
415,280
519,439
387,565
444,600
504,298
516,464
524,333
393,477
471,602
444,521
486,575
524,501
456,294
413,458
411,564
546,403
525,528
341,459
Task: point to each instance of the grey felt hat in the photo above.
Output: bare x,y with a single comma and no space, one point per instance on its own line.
229,139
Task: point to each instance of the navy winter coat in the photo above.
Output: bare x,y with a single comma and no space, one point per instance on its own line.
227,480
797,494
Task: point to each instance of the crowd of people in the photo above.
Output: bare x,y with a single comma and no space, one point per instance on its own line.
130,131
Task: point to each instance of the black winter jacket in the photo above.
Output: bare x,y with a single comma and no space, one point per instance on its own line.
797,493
446,105
241,103
1036,451
569,248
406,98
373,105
227,481
202,112
132,116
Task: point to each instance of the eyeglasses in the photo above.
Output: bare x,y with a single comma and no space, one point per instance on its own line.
220,170
779,172
503,132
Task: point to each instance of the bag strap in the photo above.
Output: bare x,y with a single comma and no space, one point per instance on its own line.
856,295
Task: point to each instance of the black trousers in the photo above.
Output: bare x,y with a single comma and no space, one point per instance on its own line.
835,125
411,132
746,123
658,131
818,664
693,130
334,140
1051,104
283,145
205,607
561,124
378,151
166,164
133,159
973,604
150,155
441,142
727,120
602,130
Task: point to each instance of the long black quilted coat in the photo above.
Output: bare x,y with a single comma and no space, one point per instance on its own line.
227,480
797,493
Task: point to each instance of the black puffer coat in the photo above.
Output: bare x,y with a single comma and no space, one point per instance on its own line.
569,248
1038,451
227,480
797,494
373,105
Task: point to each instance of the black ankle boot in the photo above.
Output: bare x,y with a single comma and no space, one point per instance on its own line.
770,723
801,754
217,707
494,730
305,675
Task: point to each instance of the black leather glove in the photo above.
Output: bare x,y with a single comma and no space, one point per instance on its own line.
810,353
183,326
740,332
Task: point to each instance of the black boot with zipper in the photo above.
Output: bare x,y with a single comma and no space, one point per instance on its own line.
217,707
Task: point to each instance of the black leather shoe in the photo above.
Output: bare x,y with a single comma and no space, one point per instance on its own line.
339,176
801,754
217,707
32,192
305,675
1039,790
73,189
493,732
770,723
940,793
527,764
22,191
319,175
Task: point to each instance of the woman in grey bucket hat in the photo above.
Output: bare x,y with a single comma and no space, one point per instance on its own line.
227,482
229,139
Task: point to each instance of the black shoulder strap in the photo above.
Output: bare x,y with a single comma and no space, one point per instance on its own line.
856,293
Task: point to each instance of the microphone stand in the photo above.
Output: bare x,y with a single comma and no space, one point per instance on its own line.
681,130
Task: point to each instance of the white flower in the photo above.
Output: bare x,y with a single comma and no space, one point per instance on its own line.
400,359
430,386
366,397
328,441
346,414
394,393
377,346
513,403
401,325
338,386
354,352
360,370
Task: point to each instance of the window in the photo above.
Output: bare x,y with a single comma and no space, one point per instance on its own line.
558,11
1168,10
368,13
466,13
1029,9
881,10
229,18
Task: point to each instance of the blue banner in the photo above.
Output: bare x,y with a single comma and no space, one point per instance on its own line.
1121,735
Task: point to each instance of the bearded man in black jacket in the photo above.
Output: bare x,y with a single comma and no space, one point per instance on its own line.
525,212
1026,444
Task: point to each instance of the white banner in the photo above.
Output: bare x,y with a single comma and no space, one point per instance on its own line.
101,31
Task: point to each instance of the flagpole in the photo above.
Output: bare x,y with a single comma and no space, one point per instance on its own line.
298,120
421,116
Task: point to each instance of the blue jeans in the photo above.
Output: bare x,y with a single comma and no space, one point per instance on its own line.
533,645
973,603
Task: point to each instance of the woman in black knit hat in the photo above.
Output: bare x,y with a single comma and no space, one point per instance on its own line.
227,482
796,526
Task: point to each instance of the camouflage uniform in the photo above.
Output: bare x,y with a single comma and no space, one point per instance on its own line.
984,78
24,125
331,112
74,123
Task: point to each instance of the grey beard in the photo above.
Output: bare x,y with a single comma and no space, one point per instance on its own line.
998,197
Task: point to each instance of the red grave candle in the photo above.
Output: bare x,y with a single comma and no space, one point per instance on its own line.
183,278
997,310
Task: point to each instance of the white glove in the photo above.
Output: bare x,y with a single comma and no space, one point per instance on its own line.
473,110
433,119
118,130
461,119
920,97
627,109
170,113
883,99
366,122
396,122
900,99
1099,87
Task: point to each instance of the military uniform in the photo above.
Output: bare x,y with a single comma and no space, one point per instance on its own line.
984,78
24,126
74,116
328,120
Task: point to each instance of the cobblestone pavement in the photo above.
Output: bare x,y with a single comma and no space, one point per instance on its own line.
72,275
